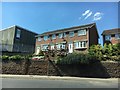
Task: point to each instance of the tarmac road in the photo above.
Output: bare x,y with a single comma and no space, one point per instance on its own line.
58,83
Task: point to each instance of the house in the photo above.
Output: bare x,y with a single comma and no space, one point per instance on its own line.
111,36
78,38
17,39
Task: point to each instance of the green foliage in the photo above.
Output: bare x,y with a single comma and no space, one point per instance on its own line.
16,57
96,50
107,52
75,58
4,57
41,53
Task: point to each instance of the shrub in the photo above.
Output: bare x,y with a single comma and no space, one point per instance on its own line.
16,57
75,58
4,57
107,52
41,53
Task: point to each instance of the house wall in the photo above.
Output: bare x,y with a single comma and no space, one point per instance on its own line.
26,42
93,36
7,39
67,38
112,41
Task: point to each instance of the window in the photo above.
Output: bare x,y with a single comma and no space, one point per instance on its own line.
80,44
81,32
64,34
71,34
60,35
44,47
107,37
46,38
39,39
117,36
18,33
53,36
58,46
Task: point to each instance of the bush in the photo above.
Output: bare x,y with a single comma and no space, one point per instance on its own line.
4,57
75,58
107,52
16,57
41,53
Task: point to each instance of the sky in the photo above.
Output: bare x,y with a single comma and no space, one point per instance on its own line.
41,17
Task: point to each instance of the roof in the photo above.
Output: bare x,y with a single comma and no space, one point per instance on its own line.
17,27
67,29
111,31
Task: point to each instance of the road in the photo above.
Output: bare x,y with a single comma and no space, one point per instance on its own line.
51,83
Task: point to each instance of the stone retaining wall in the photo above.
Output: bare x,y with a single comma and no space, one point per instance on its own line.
14,67
94,70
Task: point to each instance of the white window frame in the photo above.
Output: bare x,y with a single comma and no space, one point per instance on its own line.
53,36
82,32
46,37
117,36
64,34
71,34
80,44
39,38
60,35
44,46
107,37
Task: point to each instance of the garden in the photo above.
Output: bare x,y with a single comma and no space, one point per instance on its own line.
95,53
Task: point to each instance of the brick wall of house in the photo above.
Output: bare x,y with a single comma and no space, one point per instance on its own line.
90,38
67,38
93,36
112,41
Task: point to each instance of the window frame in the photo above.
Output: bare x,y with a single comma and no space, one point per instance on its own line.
45,39
39,39
106,37
54,36
18,33
72,32
84,32
117,36
60,35
80,44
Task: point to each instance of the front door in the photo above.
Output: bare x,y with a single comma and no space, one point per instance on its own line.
38,50
70,47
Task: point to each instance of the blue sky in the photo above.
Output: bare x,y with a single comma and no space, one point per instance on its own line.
40,17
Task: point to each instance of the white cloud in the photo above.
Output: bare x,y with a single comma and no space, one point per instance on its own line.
88,15
86,12
97,16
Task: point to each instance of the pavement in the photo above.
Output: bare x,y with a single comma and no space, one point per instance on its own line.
52,77
37,81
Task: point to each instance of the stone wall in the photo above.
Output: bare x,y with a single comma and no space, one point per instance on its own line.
93,70
14,67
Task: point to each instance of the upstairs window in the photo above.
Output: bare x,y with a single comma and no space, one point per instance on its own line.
81,32
53,36
71,34
60,35
108,37
39,39
117,36
18,33
64,34
46,38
